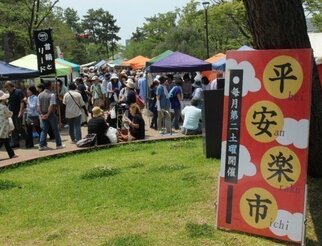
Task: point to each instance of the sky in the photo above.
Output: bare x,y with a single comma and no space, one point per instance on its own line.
129,14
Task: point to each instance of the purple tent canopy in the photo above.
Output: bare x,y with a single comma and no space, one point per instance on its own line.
179,62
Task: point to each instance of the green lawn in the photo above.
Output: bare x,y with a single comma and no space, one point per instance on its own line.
139,194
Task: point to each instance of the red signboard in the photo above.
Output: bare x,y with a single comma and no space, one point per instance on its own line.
262,187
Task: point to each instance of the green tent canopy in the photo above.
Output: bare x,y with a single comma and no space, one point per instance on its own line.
30,62
74,66
159,57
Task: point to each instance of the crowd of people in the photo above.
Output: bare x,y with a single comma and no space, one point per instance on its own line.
101,99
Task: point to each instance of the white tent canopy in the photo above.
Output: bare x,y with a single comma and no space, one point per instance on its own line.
316,44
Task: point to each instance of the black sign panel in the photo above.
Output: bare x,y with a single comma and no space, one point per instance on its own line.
45,51
233,131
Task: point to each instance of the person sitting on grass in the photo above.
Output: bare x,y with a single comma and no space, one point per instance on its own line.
191,119
136,125
98,125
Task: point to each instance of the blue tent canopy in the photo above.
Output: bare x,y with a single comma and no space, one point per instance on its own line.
100,63
220,65
11,72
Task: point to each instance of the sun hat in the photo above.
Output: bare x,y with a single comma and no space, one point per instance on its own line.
114,76
97,111
3,96
129,83
94,78
156,78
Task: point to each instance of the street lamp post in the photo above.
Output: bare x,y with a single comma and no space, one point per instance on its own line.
206,5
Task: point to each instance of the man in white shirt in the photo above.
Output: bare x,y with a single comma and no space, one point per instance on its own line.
74,104
191,119
214,83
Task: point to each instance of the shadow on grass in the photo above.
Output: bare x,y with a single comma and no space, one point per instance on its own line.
130,240
315,208
7,185
100,172
200,230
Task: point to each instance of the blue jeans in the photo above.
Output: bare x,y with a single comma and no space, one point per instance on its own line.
75,128
176,117
52,121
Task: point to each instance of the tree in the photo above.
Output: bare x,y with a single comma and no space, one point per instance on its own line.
158,26
36,12
12,36
72,19
153,33
183,30
185,39
103,30
272,28
314,8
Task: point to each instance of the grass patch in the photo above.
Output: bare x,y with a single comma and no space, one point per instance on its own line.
182,144
197,230
7,185
170,168
100,172
135,199
54,236
137,165
190,178
131,240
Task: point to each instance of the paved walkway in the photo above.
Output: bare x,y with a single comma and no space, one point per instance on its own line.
27,155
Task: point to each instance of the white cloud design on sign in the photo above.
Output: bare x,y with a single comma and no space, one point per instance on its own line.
245,166
288,224
250,82
295,132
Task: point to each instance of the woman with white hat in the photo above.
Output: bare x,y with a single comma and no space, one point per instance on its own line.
5,114
113,88
131,94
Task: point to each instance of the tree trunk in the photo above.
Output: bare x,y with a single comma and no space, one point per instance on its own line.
6,47
280,24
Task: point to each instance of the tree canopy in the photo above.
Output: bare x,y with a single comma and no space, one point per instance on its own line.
184,30
94,36
22,17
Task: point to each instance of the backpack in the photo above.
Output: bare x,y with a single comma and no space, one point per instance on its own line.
88,141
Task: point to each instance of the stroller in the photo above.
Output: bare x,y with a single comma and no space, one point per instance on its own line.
115,118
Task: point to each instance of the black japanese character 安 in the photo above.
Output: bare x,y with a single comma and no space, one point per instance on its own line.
263,124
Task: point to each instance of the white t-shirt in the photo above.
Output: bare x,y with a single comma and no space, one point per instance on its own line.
213,84
197,94
192,116
72,109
